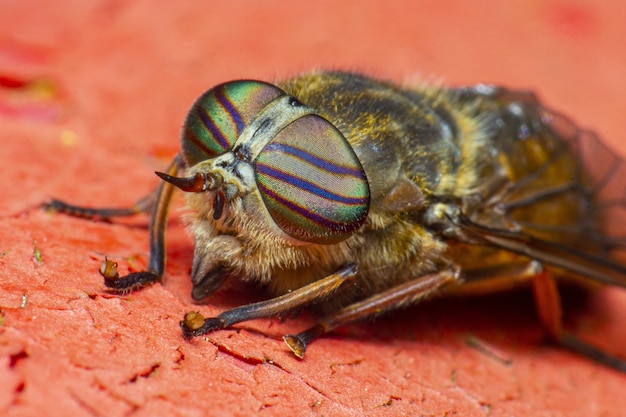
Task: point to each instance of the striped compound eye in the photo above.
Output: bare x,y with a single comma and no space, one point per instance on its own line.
218,117
312,182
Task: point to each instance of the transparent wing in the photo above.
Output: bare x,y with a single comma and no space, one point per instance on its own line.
563,200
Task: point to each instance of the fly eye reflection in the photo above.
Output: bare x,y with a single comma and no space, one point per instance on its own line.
310,180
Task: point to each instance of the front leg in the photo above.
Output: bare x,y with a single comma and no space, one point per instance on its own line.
156,262
157,203
194,324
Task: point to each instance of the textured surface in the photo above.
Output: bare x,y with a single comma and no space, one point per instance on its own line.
92,96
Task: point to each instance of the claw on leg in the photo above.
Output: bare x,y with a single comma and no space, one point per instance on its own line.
396,297
194,324
299,342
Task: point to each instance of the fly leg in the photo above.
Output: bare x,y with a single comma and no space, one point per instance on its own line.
393,298
194,324
550,313
157,203
143,205
547,300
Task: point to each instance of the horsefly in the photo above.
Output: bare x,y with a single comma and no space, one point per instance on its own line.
337,188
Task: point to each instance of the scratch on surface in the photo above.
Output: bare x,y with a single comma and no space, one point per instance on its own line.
488,350
18,388
76,396
145,374
390,401
85,405
334,365
180,357
483,406
253,361
316,389
248,360
15,358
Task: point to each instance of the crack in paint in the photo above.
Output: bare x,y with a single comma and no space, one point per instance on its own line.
145,374
85,405
15,358
248,360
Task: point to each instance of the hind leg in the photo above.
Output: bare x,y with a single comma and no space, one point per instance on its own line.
549,309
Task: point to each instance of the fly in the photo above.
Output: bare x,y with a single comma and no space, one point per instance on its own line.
332,186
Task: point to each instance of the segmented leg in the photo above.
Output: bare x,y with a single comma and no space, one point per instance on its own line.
156,262
549,309
157,203
195,325
396,297
144,205
548,304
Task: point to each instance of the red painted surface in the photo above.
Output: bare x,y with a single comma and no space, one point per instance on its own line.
104,88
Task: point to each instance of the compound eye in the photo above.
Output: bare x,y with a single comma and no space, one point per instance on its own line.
218,117
312,182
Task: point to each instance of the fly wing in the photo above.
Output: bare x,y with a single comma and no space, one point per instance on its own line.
585,263
564,198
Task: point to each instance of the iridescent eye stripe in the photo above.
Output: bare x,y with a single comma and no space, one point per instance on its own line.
312,183
219,116
308,186
190,135
313,160
308,214
230,109
208,122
